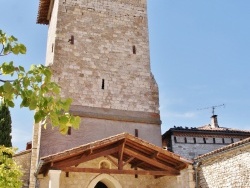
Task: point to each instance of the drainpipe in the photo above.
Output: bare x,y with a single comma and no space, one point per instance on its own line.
196,165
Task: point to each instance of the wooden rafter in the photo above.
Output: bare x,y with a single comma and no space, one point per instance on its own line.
150,161
120,155
121,150
65,163
117,171
128,161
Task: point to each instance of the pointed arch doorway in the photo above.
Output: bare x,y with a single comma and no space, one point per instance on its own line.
100,185
104,181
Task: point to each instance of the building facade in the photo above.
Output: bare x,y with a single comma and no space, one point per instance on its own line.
193,142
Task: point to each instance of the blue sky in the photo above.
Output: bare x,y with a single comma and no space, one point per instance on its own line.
200,56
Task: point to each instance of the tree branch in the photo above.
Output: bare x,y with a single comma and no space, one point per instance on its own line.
6,80
2,50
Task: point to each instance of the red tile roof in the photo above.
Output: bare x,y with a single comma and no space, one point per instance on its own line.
43,11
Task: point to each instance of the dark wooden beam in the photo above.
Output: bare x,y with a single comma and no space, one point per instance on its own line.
128,161
150,161
66,163
120,155
116,171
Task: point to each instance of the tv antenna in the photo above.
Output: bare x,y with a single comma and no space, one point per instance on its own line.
213,108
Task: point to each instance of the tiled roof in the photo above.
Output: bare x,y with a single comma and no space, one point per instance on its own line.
224,149
135,151
22,152
209,128
43,11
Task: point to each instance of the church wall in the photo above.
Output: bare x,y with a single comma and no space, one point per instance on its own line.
83,180
23,160
229,169
95,129
191,147
52,34
108,64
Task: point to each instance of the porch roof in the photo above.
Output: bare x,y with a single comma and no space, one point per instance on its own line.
121,149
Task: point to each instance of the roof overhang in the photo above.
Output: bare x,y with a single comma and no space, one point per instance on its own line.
122,149
44,10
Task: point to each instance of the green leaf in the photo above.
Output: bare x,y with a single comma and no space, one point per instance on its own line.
25,102
7,87
21,68
63,129
10,104
26,82
33,104
63,120
22,49
38,117
76,122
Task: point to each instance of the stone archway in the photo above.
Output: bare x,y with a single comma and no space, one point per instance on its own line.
106,179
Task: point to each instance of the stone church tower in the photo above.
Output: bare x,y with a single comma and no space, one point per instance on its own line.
98,51
99,54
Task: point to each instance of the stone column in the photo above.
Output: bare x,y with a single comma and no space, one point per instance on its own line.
54,178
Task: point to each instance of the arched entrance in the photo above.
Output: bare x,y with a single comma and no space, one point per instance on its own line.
104,180
100,185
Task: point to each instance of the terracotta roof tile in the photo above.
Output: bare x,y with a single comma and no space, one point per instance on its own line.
43,11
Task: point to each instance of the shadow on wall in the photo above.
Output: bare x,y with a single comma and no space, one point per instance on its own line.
202,183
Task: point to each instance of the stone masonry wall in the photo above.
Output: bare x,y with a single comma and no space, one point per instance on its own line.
108,64
227,170
95,129
23,160
191,147
99,54
83,180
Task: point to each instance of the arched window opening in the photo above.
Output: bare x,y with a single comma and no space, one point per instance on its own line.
100,185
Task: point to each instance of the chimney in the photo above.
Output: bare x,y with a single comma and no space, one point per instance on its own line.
214,122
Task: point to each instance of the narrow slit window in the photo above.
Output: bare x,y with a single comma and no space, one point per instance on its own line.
232,140
195,140
103,83
223,140
204,140
214,140
69,131
134,49
52,48
136,132
185,140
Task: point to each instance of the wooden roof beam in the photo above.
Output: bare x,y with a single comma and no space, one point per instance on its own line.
151,161
65,163
129,160
115,171
120,155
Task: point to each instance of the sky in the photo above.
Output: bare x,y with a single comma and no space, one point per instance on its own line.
200,57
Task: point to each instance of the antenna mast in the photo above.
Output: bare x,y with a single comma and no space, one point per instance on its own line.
213,108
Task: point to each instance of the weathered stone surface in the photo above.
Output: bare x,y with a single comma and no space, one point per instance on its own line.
226,169
23,160
104,35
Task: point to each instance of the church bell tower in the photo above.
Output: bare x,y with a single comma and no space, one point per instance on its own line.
99,53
